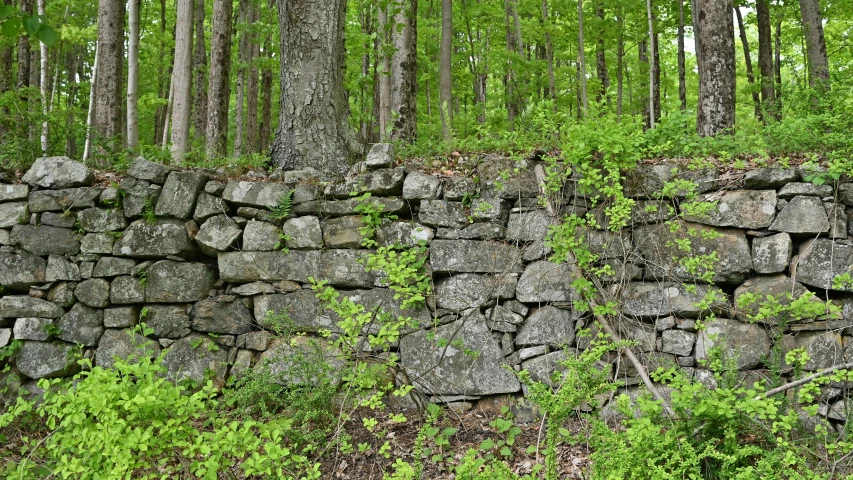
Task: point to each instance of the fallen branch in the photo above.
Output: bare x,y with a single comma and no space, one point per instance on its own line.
804,380
605,325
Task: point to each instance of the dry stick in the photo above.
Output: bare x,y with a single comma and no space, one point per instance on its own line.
605,325
804,380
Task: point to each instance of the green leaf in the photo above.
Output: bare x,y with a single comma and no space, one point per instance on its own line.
487,444
31,25
505,451
6,10
47,35
11,28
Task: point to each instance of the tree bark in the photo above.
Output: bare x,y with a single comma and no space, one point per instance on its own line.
133,75
697,40
654,92
6,85
182,80
549,55
313,128
242,50
645,84
581,63
815,45
750,76
266,110
445,81
253,50
383,30
220,71
404,62
71,101
110,65
90,115
765,58
716,108
777,67
199,108
44,84
656,78
682,80
601,58
23,80
162,80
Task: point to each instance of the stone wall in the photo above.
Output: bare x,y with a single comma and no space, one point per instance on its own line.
199,260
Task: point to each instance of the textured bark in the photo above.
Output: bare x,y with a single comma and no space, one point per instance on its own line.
108,96
242,53
815,45
750,76
133,75
581,63
90,115
777,66
445,81
404,62
600,58
654,68
43,84
716,108
697,39
384,73
23,80
182,81
220,71
549,54
765,58
199,72
682,81
656,77
645,85
313,128
253,50
71,100
162,79
265,127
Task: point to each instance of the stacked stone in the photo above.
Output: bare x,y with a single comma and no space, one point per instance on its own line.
209,269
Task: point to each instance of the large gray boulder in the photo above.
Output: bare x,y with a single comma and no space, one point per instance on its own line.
167,321
545,281
218,234
32,329
304,232
139,196
442,213
527,226
802,215
207,206
58,172
83,325
441,366
19,271
178,197
382,183
772,254
192,357
821,260
653,300
63,200
252,194
143,169
420,186
749,209
795,189
381,155
472,256
221,316
12,193
782,289
162,238
547,326
177,282
14,306
101,220
677,342
471,290
94,292
770,177
264,236
125,345
658,244
825,349
244,267
45,240
748,344
47,360
14,213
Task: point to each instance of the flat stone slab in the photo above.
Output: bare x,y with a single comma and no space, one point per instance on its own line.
178,282
19,271
653,300
473,256
747,344
62,200
39,360
545,281
749,209
821,260
244,267
58,172
178,197
162,238
45,240
802,216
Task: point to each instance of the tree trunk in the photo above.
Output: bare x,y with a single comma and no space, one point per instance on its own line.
765,58
600,58
162,79
445,81
750,76
71,101
682,80
697,39
815,45
242,51
383,30
620,60
44,85
266,110
549,55
645,84
716,109
24,52
777,67
6,85
199,70
581,63
90,115
253,50
110,64
654,100
404,92
167,118
656,77
313,128
220,71
182,80
133,75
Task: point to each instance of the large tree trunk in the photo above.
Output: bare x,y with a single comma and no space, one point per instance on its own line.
716,109
682,81
581,63
765,58
182,80
24,52
313,129
645,85
601,58
133,75
220,71
242,51
445,81
815,45
162,79
110,65
71,101
750,76
404,62
777,67
384,72
654,92
199,70
266,110
656,77
90,115
44,84
253,50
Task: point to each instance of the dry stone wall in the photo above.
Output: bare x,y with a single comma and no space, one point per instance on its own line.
200,261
